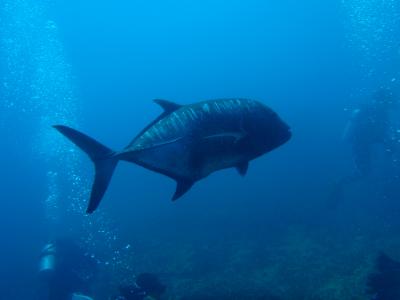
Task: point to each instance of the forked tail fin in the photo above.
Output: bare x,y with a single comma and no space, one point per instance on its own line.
102,157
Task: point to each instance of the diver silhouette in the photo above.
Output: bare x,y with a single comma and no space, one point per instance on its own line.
147,286
369,127
66,272
384,282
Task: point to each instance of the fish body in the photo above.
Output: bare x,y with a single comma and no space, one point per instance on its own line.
189,142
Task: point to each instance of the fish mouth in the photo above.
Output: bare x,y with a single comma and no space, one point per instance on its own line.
286,135
281,137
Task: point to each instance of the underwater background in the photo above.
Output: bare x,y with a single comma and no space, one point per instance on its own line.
96,66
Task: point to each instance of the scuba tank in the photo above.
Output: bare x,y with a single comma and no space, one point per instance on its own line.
47,261
80,297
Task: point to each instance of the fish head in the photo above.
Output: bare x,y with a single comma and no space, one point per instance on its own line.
271,130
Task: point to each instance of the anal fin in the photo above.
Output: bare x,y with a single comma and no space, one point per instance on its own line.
182,186
242,168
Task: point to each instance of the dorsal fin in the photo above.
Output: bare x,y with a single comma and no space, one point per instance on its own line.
167,106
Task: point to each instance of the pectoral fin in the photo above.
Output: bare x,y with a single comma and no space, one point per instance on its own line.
242,168
182,186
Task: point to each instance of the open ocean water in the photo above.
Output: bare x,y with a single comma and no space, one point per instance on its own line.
306,222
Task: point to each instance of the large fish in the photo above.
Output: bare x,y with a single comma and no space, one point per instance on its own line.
189,142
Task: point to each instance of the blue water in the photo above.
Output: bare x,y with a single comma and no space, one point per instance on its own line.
96,66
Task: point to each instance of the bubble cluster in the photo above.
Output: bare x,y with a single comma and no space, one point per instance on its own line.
372,28
38,85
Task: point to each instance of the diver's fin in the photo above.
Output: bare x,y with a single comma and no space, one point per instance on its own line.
242,168
182,186
102,157
168,106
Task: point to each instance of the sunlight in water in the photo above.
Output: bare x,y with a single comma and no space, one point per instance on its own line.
31,49
31,45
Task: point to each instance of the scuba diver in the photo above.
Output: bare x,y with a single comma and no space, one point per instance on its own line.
147,286
65,272
384,282
369,127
